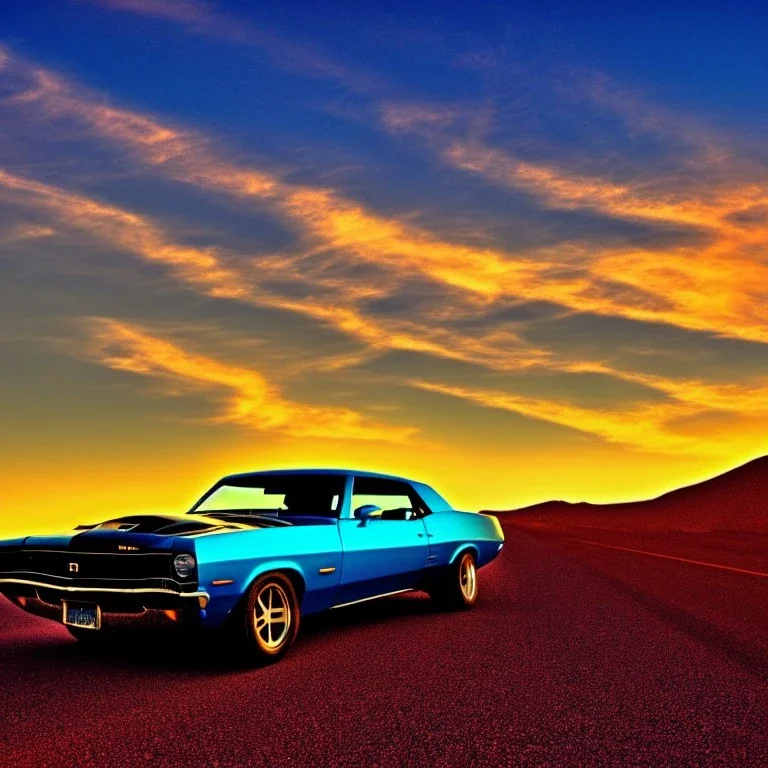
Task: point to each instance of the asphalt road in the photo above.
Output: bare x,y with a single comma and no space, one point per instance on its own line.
574,655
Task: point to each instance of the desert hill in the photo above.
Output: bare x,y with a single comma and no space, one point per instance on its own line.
734,501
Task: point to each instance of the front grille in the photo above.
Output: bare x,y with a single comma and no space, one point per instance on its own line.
95,565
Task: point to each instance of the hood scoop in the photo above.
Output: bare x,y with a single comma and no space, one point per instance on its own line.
118,525
162,525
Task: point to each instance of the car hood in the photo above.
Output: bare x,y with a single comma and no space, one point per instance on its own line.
171,525
138,532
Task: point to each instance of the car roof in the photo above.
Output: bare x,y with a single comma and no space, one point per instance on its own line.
434,500
335,472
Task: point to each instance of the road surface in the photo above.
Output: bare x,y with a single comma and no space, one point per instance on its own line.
576,654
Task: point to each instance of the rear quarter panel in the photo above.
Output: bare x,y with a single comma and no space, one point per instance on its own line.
242,556
452,532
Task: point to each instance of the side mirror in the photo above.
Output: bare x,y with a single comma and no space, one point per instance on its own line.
365,512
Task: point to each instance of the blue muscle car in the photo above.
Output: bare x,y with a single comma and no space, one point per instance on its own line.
253,555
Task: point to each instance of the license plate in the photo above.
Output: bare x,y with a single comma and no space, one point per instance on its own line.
82,615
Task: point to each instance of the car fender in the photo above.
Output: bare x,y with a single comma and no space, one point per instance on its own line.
268,566
461,549
453,532
226,599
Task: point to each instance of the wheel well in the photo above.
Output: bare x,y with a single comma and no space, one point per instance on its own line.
295,578
465,548
292,575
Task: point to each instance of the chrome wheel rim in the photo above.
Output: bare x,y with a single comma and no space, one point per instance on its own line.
468,578
272,616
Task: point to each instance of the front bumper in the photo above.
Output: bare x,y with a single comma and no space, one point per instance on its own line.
128,606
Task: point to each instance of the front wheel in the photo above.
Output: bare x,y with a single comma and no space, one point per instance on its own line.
456,589
272,617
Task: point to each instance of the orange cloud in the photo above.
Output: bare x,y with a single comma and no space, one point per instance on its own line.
127,231
325,219
251,400
220,275
749,398
720,286
658,427
24,231
670,288
560,189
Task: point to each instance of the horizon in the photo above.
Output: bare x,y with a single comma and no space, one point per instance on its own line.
694,484
514,253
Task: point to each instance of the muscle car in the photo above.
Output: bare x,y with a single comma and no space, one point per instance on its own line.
254,554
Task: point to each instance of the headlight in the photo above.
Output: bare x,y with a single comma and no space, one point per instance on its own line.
184,565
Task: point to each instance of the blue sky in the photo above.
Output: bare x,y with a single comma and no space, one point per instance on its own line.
497,246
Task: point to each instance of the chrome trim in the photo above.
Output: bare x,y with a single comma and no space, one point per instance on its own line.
139,590
327,570
374,597
53,612
75,553
96,578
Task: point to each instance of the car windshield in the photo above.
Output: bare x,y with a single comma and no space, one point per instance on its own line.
282,495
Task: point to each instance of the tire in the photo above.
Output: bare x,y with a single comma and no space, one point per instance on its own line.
264,641
457,588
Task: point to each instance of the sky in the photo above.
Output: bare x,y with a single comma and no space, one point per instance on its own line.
515,250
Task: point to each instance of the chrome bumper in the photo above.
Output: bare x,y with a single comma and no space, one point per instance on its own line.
140,606
122,591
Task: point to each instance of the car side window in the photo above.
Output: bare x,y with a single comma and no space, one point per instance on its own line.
396,500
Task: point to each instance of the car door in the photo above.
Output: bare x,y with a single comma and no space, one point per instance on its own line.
386,552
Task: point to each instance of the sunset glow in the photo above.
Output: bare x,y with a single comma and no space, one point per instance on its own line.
516,274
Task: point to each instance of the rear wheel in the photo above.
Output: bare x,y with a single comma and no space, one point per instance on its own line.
271,620
456,589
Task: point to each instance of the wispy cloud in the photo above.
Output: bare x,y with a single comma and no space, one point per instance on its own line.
559,188
250,399
22,231
643,116
644,426
714,195
127,231
650,427
203,19
222,274
349,256
747,397
651,286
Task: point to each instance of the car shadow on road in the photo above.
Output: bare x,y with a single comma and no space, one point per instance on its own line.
387,609
207,654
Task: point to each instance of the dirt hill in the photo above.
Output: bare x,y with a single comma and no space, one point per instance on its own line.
734,501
